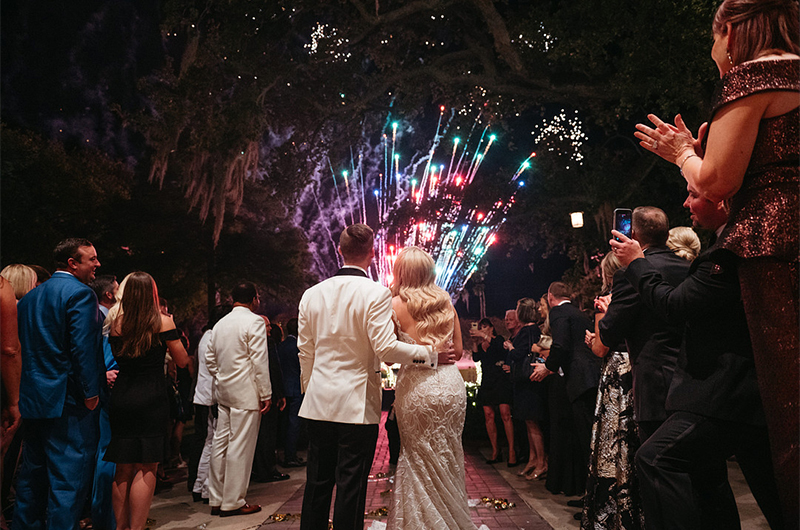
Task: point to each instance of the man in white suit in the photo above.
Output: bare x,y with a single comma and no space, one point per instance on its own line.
345,331
237,359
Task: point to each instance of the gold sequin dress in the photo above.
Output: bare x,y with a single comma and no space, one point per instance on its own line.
763,230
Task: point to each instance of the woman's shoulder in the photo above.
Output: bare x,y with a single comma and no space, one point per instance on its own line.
760,75
167,325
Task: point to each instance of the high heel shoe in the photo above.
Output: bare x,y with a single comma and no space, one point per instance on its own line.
537,475
528,469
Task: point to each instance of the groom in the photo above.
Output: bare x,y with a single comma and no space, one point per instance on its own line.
345,331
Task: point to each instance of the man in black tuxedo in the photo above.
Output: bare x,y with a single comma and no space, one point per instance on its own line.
568,326
653,344
714,397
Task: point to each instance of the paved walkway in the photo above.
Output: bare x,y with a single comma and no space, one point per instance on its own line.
535,508
483,481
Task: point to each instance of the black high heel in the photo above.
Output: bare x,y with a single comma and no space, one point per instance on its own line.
497,460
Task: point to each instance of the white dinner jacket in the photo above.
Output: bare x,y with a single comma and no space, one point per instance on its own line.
237,358
345,331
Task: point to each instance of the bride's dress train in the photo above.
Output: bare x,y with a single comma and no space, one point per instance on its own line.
429,489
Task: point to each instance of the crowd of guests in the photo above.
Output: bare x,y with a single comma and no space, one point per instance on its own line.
692,357
97,386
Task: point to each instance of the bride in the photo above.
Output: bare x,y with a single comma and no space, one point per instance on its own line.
429,490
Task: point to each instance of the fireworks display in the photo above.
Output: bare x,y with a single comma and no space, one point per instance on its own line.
422,202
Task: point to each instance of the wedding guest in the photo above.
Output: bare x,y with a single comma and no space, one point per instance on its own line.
612,500
105,286
495,390
750,158
714,398
683,241
205,409
42,274
62,378
10,370
140,336
530,403
570,354
290,367
22,278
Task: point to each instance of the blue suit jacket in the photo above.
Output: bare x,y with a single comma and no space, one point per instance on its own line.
62,357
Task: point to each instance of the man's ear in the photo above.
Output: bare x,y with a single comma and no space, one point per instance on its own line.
339,250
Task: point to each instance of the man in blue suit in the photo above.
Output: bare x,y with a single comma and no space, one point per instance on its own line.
62,376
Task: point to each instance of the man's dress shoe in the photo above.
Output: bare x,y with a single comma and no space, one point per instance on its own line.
246,509
215,510
275,477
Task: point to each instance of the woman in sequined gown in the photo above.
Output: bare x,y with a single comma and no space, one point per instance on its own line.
750,159
612,500
429,489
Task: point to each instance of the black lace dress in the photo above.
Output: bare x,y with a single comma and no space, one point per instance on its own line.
139,407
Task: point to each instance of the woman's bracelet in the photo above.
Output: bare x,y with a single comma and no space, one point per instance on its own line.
690,155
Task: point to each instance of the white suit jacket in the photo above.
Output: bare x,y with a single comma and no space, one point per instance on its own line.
237,358
345,331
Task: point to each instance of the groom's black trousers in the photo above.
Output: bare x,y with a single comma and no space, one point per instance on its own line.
339,454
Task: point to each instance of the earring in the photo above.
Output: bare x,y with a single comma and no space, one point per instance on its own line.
730,59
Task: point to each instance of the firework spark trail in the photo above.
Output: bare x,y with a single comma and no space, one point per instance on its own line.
420,203
338,197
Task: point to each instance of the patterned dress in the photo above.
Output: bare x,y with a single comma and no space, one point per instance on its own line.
430,487
612,496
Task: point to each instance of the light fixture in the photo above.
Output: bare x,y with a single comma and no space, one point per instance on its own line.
577,219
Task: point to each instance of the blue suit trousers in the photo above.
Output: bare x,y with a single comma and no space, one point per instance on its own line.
102,509
58,457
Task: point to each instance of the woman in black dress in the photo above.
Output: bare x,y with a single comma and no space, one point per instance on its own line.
139,336
529,396
495,388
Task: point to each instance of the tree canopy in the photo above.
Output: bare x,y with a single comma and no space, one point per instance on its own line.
229,110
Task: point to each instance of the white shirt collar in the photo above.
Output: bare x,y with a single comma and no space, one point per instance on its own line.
719,230
563,302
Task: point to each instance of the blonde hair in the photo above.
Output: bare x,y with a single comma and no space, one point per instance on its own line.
137,309
428,304
608,266
544,312
684,242
21,277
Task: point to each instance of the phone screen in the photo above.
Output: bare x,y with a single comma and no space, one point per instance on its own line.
474,325
622,221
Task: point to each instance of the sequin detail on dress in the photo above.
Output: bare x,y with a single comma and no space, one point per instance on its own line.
764,218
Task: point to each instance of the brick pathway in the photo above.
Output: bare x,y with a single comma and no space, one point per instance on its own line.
482,481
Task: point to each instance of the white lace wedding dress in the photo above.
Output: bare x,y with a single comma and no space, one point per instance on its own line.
429,489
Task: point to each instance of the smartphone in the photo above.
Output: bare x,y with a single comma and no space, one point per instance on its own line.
622,221
474,325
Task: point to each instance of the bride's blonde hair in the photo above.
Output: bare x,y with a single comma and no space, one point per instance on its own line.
427,303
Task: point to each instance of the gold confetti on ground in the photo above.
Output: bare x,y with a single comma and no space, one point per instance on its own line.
380,512
281,517
499,504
